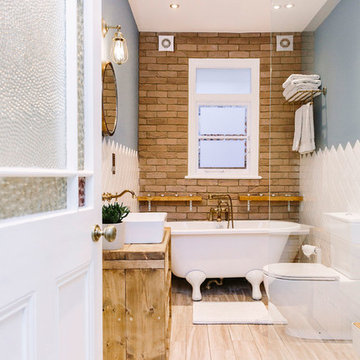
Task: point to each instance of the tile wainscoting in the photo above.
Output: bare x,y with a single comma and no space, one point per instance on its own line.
126,172
329,182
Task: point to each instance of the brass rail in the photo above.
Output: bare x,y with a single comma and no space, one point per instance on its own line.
302,96
270,198
169,198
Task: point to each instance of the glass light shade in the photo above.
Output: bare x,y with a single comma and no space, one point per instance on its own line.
119,50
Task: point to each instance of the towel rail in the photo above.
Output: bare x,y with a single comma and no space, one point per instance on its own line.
303,96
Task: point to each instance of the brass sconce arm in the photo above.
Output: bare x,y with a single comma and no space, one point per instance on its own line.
105,27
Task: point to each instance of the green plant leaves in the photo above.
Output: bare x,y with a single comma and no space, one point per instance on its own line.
114,213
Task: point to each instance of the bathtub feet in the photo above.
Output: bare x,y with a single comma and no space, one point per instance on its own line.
255,278
196,278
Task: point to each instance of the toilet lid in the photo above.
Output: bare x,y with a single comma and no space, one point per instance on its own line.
301,271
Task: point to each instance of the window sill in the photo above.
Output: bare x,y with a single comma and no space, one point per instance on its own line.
223,176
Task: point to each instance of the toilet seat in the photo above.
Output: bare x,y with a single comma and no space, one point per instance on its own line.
301,271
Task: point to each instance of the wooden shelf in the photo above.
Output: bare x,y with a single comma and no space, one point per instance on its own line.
271,198
169,198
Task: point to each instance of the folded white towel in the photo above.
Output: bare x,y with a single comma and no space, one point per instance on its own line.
297,132
299,76
293,89
307,141
304,82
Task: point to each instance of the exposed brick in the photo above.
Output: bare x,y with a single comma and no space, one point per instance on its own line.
163,114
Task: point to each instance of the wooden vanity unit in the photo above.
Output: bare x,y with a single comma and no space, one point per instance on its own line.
137,301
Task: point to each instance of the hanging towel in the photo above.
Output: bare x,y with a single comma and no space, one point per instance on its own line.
307,141
299,76
297,132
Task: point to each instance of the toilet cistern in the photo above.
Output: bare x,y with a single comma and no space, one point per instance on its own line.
309,250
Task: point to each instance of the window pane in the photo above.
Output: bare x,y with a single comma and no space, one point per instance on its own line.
222,120
222,154
223,81
32,84
25,196
80,81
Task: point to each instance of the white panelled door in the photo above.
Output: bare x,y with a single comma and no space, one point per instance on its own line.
50,170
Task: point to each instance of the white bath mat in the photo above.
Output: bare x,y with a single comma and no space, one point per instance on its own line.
241,312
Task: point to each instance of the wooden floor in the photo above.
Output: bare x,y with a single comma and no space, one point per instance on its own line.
239,342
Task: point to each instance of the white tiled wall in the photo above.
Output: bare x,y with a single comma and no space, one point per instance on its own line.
329,182
126,172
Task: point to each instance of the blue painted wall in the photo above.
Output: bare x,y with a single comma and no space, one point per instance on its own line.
118,12
337,60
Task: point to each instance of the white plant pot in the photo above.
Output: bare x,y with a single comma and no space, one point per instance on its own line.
118,243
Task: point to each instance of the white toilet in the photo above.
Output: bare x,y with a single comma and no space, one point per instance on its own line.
320,302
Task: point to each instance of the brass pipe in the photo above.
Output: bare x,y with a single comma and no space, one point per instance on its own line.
109,196
214,281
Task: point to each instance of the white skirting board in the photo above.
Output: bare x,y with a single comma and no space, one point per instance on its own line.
241,312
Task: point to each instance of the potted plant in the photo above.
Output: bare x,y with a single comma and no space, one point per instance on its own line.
113,214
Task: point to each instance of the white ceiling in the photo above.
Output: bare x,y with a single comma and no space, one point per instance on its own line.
225,15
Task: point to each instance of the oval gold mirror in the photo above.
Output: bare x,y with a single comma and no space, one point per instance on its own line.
109,100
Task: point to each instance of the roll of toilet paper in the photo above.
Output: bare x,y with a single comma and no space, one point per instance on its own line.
308,250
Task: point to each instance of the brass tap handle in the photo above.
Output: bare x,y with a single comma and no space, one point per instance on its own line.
211,214
224,206
218,214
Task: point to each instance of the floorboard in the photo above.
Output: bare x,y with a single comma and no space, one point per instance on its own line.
240,342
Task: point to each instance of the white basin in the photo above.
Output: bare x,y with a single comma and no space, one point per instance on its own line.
144,228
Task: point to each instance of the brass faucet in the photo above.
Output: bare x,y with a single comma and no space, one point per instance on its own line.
109,196
223,207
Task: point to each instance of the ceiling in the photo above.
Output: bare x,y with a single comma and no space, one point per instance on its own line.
227,15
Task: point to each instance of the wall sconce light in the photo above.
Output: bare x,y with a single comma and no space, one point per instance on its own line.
119,50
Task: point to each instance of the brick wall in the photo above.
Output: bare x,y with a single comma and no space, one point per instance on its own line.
163,124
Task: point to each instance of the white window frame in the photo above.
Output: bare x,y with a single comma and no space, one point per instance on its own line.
250,100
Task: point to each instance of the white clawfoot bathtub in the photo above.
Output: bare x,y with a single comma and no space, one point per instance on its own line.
204,249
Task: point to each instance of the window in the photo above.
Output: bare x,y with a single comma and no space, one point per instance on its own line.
223,118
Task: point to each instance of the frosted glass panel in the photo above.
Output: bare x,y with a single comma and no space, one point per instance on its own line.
222,154
222,120
25,196
32,84
223,81
80,55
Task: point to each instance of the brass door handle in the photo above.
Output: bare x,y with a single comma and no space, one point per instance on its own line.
109,233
